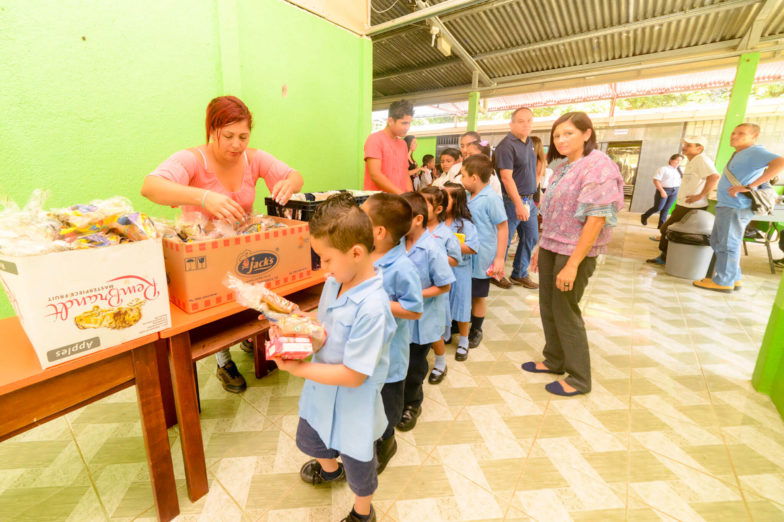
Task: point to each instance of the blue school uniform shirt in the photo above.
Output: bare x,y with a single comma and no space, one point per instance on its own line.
460,293
451,245
359,327
747,165
431,263
487,211
401,283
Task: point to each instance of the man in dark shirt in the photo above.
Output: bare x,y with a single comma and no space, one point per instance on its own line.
516,163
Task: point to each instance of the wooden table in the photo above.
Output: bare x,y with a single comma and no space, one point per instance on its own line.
30,396
198,335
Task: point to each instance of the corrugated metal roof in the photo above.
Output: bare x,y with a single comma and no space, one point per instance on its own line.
514,38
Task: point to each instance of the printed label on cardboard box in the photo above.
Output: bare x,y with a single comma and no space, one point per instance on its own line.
73,348
252,263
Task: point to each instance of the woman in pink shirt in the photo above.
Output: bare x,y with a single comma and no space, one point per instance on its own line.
580,207
219,179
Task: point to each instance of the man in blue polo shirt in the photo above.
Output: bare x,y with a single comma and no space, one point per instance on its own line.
753,166
516,162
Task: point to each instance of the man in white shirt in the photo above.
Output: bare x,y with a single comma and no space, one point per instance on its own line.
667,180
699,179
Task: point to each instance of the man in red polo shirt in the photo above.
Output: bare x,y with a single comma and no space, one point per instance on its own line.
386,153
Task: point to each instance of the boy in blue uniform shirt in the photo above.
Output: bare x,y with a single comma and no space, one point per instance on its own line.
391,218
487,211
341,412
436,278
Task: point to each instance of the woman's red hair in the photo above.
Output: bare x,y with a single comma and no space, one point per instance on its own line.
225,110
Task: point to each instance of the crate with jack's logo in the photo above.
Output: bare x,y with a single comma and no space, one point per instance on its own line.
76,302
196,270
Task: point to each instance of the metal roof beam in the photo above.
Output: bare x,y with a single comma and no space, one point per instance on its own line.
714,8
753,35
445,7
702,53
457,47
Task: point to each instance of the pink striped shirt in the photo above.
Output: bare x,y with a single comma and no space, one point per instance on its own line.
185,168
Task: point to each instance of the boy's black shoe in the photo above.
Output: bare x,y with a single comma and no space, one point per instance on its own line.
351,517
409,418
247,345
385,449
474,338
231,378
311,473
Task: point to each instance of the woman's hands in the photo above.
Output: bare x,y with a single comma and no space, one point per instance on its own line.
222,207
564,281
283,189
533,265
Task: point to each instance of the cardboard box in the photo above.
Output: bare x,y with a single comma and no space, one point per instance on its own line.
76,302
196,270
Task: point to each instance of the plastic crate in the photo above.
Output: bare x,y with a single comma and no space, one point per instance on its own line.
301,211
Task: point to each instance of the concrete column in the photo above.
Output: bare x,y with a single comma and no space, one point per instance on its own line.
736,110
473,111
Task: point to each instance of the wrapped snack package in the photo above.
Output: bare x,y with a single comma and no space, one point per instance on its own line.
259,297
30,230
278,310
82,219
460,237
135,226
165,227
260,224
191,226
96,240
289,347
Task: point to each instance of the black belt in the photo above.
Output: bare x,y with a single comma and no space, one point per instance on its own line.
527,195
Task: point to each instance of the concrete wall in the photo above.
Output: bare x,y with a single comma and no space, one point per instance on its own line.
659,142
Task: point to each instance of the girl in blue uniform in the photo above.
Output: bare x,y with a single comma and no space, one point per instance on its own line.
458,219
436,206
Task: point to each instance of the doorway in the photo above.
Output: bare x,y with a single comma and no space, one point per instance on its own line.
626,154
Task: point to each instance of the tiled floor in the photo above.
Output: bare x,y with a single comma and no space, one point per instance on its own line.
672,430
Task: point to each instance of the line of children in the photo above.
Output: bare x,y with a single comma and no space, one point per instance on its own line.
436,208
391,217
383,310
341,409
489,217
436,277
459,221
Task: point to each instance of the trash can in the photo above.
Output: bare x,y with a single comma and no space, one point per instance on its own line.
689,253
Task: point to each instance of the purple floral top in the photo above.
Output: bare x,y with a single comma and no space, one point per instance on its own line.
591,186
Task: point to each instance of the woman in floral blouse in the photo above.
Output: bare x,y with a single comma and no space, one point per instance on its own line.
581,206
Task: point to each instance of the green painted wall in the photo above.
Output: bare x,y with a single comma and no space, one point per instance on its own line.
95,95
768,374
425,145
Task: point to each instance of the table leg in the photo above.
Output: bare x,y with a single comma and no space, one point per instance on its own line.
156,438
261,365
188,415
164,376
770,254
